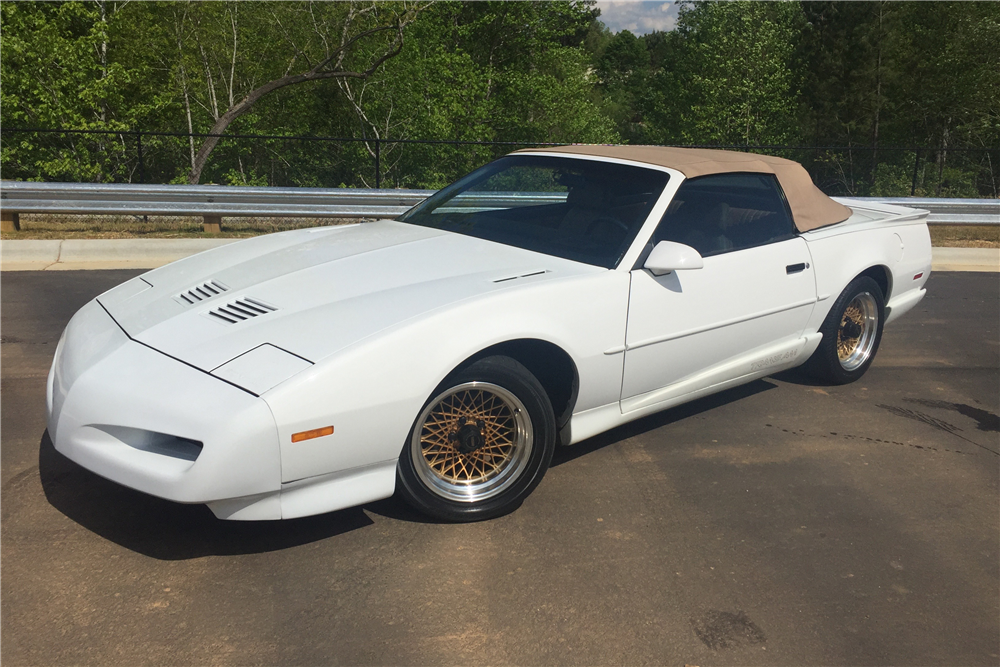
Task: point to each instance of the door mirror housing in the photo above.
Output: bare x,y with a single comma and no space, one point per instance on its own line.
670,256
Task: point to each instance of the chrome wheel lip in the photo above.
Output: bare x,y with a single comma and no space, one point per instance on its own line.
862,350
493,485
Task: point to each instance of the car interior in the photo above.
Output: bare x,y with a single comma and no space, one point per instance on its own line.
725,212
597,207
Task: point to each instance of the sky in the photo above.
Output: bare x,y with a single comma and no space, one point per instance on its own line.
638,16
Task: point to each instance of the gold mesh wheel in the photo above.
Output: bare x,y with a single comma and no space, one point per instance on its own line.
857,330
472,442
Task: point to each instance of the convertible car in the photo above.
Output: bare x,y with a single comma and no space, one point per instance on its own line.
540,300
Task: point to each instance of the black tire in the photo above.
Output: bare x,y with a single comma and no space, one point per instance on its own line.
481,443
851,332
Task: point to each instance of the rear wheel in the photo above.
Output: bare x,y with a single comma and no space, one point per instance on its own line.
481,443
851,332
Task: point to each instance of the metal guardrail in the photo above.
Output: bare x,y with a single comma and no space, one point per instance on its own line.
212,202
131,199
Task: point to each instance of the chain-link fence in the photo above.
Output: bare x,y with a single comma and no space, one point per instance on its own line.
105,156
952,172
239,159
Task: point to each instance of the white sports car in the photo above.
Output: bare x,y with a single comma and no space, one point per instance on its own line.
544,298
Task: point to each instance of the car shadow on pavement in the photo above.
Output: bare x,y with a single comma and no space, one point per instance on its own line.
397,509
801,377
166,530
659,419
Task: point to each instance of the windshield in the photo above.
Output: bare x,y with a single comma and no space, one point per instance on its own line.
584,210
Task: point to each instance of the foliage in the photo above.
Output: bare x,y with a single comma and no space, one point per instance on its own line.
58,72
738,74
480,71
906,74
866,76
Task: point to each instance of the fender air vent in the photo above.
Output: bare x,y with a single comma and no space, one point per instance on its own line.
201,292
240,310
524,275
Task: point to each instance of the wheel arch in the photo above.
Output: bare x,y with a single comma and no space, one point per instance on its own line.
551,365
882,276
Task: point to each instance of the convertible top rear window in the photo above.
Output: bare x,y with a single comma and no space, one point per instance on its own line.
583,210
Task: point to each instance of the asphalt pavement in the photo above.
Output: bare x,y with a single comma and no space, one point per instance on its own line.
779,523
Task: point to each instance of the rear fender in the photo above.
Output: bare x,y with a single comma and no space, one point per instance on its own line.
896,254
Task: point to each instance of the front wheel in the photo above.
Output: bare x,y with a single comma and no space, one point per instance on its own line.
851,333
481,443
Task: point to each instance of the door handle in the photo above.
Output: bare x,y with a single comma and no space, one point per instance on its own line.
796,268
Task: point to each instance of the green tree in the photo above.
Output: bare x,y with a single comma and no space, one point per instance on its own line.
731,79
63,68
948,91
248,51
481,71
879,74
623,67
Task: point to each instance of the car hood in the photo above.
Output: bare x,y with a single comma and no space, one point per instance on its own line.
314,292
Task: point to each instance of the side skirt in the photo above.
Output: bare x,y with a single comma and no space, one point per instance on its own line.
760,363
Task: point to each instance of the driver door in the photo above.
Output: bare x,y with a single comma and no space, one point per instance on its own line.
691,329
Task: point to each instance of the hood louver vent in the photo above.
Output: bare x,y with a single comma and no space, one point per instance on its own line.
201,292
240,310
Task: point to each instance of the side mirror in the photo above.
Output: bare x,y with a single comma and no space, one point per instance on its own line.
669,256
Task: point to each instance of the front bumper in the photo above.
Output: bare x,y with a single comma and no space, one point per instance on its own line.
151,423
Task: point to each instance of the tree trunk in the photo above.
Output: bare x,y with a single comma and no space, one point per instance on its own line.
942,158
878,94
317,73
187,110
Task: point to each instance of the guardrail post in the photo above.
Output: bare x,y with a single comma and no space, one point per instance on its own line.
212,224
10,222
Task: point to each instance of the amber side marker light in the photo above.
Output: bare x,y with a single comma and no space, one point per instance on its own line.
315,433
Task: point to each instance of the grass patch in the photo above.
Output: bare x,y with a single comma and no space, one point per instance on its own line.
965,236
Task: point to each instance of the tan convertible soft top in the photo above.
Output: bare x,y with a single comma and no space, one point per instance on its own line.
810,207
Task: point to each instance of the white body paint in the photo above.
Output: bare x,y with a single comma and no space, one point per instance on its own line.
359,324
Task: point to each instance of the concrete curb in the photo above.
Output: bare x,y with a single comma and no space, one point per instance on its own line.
966,259
75,254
